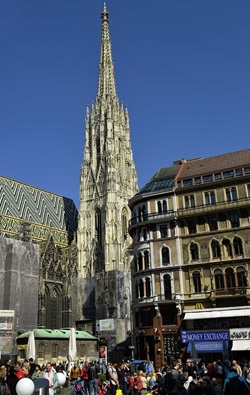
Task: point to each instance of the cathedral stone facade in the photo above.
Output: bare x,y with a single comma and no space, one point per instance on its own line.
108,180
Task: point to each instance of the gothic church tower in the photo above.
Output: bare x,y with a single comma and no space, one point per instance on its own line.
108,181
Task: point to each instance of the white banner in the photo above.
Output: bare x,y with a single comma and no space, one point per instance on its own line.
239,334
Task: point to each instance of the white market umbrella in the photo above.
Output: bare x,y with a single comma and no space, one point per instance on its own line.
72,351
31,347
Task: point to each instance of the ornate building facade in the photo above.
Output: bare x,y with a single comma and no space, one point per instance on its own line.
108,180
191,228
38,255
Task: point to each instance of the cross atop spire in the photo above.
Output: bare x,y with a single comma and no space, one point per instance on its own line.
106,79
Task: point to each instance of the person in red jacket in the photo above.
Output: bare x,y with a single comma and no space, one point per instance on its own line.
18,371
84,376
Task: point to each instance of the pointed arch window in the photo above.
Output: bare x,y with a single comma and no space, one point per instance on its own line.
141,289
148,287
231,194
167,286
230,278
241,277
238,249
165,208
216,253
197,282
159,206
165,256
146,259
227,248
210,198
140,262
124,224
189,201
219,279
194,252
53,303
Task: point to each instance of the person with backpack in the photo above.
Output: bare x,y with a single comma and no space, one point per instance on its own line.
171,383
235,384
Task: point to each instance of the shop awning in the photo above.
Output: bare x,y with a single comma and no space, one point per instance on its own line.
241,345
215,313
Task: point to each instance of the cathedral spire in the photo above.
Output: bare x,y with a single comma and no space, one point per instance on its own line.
106,80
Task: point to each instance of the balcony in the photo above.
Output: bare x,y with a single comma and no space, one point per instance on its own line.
145,219
229,292
218,206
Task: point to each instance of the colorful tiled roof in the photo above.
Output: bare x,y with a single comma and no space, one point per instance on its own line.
36,206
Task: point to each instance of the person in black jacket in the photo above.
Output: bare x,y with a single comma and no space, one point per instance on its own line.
92,379
12,380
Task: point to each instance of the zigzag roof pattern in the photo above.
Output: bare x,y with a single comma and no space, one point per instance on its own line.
34,205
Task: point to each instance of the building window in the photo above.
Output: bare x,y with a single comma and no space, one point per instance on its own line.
124,224
241,277
210,198
217,176
228,174
191,226
238,172
145,234
159,207
188,182
141,289
41,350
164,231
197,282
164,205
234,220
248,191
227,248
194,252
165,256
197,180
146,259
189,201
230,278
216,253
148,287
208,178
219,279
140,266
54,350
82,350
212,223
238,249
167,286
247,170
231,194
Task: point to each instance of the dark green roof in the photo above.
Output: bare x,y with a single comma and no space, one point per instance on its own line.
57,334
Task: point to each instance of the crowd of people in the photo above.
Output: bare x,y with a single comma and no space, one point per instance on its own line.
127,378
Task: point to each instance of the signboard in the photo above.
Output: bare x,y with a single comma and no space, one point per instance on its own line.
206,341
7,313
239,334
107,325
6,326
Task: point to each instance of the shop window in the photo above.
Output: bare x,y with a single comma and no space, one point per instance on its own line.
238,249
230,278
165,256
216,253
197,282
194,252
219,279
241,277
167,286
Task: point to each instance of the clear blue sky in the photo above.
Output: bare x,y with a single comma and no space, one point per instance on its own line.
181,66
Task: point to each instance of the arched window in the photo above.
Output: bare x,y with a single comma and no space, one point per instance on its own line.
227,248
241,277
53,303
165,256
124,224
141,289
165,208
215,249
148,287
167,286
144,213
194,252
230,278
237,243
146,259
219,279
140,266
197,282
159,207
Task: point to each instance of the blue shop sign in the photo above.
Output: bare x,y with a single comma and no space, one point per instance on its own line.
206,341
